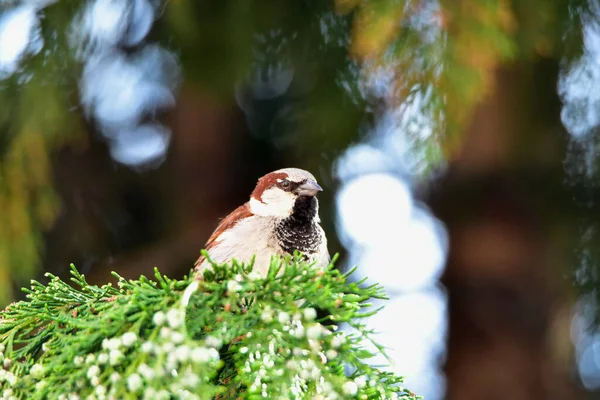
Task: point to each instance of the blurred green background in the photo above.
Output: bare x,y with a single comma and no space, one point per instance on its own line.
127,128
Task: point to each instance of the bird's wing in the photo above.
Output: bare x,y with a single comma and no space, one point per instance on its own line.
228,222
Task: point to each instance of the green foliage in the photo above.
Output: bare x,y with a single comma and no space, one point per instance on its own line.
34,122
449,51
230,335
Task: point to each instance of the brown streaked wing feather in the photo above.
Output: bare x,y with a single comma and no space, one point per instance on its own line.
228,222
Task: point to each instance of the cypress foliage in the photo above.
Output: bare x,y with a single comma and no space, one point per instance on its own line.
232,335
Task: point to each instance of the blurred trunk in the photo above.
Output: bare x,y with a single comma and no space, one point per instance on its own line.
114,218
202,183
504,205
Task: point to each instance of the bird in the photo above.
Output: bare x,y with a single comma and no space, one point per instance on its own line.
281,216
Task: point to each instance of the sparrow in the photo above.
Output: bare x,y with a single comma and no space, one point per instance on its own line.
281,216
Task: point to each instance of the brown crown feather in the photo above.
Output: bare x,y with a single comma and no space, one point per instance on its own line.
266,182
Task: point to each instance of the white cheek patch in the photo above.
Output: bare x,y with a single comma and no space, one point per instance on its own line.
275,203
257,207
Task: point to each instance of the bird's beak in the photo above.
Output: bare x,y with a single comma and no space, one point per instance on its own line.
308,188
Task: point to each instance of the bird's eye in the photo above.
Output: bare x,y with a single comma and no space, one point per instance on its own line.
284,184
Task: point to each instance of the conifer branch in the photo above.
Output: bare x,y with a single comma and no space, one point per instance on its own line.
233,335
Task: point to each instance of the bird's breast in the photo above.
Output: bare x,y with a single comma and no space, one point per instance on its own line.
247,239
263,237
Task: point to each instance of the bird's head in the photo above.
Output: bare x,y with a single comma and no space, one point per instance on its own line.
277,192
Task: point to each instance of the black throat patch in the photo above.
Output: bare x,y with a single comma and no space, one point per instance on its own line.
299,231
